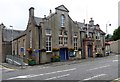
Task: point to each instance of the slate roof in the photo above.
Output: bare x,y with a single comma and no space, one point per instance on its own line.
7,34
38,20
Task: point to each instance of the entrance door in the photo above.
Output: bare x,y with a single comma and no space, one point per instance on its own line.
63,54
88,51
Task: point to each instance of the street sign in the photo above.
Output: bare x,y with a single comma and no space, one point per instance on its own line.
22,49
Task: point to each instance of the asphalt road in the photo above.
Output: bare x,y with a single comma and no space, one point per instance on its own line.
104,68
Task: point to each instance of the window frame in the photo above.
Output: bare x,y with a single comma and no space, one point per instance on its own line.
62,20
75,43
48,44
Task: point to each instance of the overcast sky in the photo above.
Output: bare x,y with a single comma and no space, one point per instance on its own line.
15,12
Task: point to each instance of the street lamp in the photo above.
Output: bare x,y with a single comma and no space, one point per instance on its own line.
12,44
107,24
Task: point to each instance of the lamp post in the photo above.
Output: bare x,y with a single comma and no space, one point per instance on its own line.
107,24
12,44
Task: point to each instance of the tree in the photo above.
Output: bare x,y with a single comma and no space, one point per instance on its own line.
108,37
116,34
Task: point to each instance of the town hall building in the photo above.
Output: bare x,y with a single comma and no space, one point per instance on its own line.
57,35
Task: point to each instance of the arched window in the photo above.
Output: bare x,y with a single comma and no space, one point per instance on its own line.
62,20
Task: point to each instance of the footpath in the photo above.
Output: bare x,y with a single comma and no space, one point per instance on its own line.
53,64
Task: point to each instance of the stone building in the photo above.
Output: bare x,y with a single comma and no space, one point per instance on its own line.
92,39
58,35
5,41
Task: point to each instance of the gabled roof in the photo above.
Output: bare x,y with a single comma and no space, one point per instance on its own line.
62,8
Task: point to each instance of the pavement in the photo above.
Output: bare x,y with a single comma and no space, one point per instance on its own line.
53,64
68,62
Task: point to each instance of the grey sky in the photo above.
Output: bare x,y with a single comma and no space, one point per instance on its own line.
15,12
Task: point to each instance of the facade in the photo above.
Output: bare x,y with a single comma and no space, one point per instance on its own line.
58,35
5,41
92,40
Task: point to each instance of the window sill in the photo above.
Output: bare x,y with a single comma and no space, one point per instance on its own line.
48,51
75,50
62,26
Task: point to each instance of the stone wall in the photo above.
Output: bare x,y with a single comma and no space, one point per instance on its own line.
115,46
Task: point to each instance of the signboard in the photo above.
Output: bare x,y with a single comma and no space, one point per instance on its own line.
21,49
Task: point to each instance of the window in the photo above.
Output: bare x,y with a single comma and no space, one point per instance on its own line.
15,46
65,33
98,35
75,33
60,32
75,43
60,40
48,31
30,33
92,35
48,43
65,40
24,45
86,35
62,20
19,48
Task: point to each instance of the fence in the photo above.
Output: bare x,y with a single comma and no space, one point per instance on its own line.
16,60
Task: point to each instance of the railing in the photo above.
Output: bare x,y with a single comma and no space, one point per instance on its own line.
16,60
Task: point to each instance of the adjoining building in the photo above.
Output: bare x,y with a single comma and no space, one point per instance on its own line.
6,41
92,40
58,35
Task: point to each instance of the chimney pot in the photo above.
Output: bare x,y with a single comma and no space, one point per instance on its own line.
50,11
31,12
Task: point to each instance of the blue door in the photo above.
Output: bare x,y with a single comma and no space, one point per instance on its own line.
63,54
88,51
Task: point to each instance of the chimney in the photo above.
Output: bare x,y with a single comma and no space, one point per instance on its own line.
2,26
84,21
31,12
50,11
91,22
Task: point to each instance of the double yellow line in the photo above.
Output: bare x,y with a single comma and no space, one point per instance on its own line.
3,67
116,80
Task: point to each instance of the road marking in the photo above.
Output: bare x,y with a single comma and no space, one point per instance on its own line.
5,69
33,75
94,77
98,67
40,68
43,67
115,60
25,76
57,77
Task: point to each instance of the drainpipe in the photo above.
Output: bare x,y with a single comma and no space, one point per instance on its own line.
39,31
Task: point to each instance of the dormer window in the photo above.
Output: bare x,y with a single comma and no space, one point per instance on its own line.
62,20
